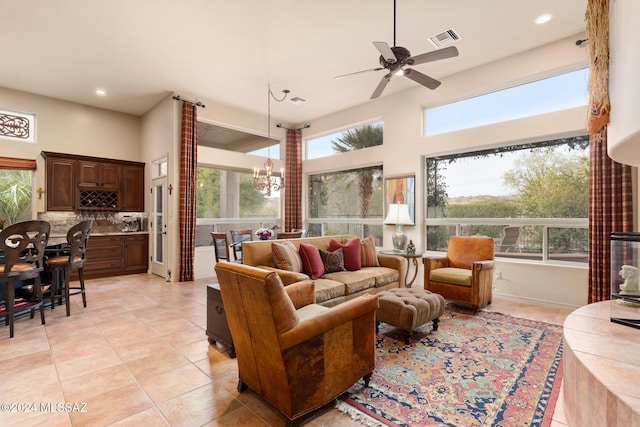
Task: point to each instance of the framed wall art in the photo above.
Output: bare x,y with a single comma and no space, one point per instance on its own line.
401,189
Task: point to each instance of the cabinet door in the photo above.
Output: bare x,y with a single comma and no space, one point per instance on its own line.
88,174
110,176
136,253
61,184
99,175
132,194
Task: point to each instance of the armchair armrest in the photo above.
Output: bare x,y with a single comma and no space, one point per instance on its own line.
329,319
431,263
301,293
287,277
483,265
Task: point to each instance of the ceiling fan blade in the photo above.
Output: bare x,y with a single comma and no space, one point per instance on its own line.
358,72
385,51
447,52
423,79
383,83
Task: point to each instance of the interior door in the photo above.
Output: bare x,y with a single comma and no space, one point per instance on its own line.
158,228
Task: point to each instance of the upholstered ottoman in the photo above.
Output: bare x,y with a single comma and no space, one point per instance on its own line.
409,308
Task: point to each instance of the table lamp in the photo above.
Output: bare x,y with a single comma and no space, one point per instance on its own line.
399,215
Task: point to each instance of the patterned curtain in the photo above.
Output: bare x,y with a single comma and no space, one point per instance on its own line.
610,190
188,163
293,184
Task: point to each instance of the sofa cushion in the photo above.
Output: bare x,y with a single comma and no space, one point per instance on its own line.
326,290
383,275
286,256
351,251
354,281
456,276
311,260
333,261
368,254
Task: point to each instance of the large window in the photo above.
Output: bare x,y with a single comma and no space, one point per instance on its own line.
532,198
355,138
347,202
227,200
543,96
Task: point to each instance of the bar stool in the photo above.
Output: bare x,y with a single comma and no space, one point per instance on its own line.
74,257
22,245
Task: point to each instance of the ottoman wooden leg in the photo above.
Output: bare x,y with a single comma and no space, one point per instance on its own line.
435,323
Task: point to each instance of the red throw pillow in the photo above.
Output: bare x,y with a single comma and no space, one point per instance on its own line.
311,261
351,251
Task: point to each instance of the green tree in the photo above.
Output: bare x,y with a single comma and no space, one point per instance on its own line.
356,139
15,196
499,208
437,236
552,184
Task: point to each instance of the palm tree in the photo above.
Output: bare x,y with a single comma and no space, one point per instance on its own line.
15,195
356,139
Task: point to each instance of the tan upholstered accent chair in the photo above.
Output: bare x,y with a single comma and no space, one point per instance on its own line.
294,353
465,275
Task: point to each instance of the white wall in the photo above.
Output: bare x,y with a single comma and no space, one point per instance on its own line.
66,127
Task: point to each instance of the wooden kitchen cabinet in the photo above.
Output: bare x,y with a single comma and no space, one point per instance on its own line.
136,253
92,183
61,183
105,256
102,175
132,194
117,254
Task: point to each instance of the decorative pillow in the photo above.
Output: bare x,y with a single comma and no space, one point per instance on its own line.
368,253
333,261
286,256
351,251
311,260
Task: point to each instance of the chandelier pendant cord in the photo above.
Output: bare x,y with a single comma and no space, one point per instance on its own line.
267,183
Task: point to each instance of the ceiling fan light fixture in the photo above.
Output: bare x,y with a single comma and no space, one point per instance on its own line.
400,72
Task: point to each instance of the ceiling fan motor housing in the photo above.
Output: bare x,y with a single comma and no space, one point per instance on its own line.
402,55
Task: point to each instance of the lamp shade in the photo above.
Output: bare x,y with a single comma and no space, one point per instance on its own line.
398,214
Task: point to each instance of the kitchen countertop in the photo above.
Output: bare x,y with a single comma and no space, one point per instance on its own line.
56,238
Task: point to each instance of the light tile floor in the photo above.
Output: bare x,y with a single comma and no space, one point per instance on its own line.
138,355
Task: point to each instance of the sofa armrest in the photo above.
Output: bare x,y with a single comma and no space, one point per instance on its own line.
301,293
287,277
393,261
329,319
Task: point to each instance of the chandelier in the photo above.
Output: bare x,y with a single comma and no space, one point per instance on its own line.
267,183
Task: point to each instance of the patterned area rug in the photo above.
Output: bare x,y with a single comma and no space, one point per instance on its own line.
485,369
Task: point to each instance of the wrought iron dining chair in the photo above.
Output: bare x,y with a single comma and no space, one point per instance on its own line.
237,237
61,266
22,245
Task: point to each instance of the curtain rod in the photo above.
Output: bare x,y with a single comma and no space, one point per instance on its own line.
197,104
280,125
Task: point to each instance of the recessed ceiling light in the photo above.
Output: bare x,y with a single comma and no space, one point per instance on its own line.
543,18
101,92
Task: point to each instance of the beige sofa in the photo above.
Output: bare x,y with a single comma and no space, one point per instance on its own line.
331,288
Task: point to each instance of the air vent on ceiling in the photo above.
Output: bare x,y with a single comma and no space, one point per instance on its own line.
445,38
297,100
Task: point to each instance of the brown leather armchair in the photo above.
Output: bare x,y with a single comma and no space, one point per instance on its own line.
465,275
294,353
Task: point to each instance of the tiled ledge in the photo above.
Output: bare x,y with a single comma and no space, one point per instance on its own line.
601,369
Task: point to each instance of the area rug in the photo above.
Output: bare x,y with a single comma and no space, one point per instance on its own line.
484,369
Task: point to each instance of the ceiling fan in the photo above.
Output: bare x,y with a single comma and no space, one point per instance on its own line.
394,59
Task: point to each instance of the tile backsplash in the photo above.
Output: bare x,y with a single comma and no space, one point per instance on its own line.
103,222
